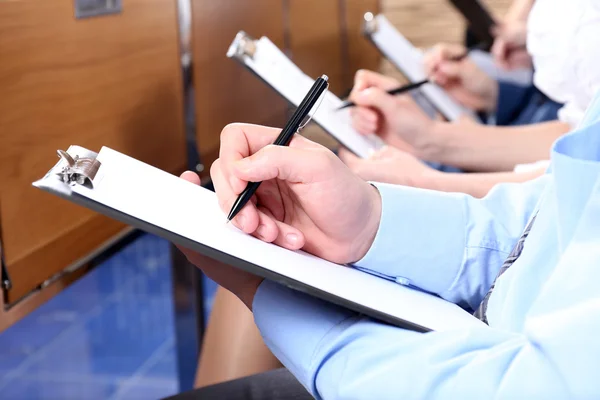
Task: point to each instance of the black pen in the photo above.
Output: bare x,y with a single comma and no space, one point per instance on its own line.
293,125
416,85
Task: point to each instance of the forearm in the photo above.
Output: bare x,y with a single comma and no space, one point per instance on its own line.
475,184
519,10
481,148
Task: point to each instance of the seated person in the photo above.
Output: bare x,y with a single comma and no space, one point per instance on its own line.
524,259
569,80
224,348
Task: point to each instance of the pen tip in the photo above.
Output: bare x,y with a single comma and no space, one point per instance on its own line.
325,78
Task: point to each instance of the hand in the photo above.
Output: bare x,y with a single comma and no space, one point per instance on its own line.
509,49
389,165
462,80
398,120
308,198
241,283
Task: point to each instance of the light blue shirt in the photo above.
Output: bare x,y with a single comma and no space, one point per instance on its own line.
543,339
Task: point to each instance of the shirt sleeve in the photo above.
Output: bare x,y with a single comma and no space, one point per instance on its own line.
337,354
449,244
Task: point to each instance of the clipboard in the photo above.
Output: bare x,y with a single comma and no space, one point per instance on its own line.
409,61
267,62
147,198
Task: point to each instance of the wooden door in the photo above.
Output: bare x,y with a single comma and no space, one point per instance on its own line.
113,80
226,92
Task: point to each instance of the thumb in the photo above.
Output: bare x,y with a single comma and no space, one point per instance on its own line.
292,164
376,98
451,70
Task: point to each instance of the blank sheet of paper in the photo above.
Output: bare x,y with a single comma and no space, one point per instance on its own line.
409,60
163,200
293,84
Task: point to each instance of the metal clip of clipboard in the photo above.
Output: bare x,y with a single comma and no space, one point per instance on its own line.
370,25
76,166
243,46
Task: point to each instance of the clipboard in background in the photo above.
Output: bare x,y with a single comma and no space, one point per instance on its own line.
478,18
157,202
272,66
409,60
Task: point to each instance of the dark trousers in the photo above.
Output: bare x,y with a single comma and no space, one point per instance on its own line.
279,384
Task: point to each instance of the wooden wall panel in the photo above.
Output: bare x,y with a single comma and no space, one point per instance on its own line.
113,80
427,22
361,53
315,39
226,92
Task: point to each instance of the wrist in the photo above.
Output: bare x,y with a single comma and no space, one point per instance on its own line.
372,224
429,145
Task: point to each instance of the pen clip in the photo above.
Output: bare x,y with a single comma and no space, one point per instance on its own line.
309,117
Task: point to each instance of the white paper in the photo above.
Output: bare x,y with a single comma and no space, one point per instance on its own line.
409,60
166,201
288,80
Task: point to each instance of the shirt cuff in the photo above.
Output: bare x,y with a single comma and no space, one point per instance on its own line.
421,238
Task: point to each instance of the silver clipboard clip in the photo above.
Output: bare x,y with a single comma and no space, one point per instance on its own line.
242,46
76,166
370,25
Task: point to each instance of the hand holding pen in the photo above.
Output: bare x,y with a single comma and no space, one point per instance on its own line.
298,120
456,57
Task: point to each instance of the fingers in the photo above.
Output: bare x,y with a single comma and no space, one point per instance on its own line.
269,196
247,219
191,176
448,72
291,164
499,50
364,120
365,79
241,140
441,53
287,236
377,98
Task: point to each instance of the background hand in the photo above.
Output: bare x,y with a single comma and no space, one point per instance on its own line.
462,80
509,49
398,120
388,165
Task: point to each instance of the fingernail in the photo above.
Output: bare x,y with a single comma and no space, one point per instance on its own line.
261,231
241,220
292,238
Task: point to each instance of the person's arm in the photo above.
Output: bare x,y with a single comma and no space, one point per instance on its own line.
338,355
519,10
475,184
476,147
429,239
